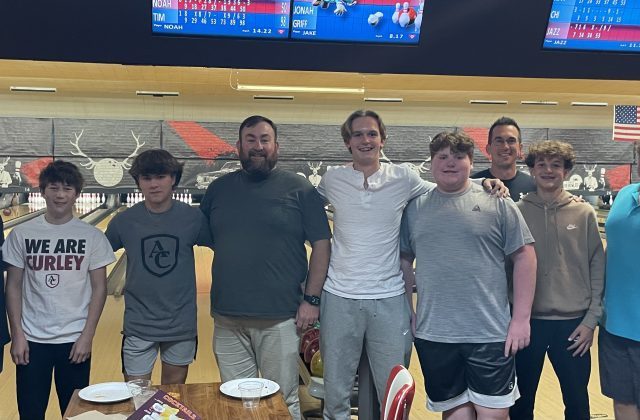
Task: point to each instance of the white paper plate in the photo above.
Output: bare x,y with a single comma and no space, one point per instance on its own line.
230,388
105,393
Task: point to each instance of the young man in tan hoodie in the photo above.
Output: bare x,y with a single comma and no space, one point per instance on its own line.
569,284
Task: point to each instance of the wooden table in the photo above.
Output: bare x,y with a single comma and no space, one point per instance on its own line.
205,399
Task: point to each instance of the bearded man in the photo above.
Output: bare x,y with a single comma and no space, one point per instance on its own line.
260,217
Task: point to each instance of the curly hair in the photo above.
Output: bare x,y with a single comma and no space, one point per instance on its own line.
551,148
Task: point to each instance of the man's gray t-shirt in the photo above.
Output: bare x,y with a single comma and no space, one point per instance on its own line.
461,242
260,228
160,289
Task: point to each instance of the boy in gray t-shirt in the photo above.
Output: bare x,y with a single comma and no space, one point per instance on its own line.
158,235
465,335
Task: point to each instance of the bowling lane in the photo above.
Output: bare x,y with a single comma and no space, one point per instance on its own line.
103,227
15,212
28,208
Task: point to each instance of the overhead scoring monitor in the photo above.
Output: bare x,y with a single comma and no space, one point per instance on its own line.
377,21
600,25
235,18
367,21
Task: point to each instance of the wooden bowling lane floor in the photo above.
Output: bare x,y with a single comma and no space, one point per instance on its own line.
106,365
16,211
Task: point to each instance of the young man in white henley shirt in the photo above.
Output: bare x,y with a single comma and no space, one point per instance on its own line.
365,301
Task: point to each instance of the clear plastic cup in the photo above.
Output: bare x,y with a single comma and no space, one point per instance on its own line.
141,391
250,391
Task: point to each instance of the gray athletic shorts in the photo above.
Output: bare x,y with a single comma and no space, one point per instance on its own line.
619,362
139,356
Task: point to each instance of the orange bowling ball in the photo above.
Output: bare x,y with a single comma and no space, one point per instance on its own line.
317,367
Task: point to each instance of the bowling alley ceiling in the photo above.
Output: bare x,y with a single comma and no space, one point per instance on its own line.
196,84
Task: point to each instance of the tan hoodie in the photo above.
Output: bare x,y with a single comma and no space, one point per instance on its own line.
570,274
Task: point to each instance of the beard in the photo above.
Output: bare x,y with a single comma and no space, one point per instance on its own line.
258,169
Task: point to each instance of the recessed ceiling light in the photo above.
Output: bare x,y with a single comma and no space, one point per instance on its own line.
589,104
487,102
273,97
156,94
299,89
539,102
383,99
32,89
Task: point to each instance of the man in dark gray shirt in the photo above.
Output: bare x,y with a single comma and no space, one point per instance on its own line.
505,148
260,217
158,235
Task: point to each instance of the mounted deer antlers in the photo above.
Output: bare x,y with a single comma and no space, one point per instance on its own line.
125,163
89,165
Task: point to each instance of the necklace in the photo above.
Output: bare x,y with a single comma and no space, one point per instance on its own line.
156,218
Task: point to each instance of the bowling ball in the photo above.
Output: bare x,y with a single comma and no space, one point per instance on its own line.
317,367
6,212
311,349
307,337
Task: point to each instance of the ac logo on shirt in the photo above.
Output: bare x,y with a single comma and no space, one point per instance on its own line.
160,254
52,280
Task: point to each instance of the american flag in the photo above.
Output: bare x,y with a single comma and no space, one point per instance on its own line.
626,123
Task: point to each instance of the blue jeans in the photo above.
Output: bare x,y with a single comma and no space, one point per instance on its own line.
33,381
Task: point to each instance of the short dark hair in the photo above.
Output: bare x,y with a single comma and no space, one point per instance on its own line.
457,141
257,119
553,149
345,130
63,172
505,121
156,162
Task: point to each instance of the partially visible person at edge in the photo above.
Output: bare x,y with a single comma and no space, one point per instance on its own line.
365,302
260,217
4,330
619,336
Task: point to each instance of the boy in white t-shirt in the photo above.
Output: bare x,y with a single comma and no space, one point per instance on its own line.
56,290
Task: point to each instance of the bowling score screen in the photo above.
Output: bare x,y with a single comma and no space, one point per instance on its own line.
598,25
235,18
376,21
370,21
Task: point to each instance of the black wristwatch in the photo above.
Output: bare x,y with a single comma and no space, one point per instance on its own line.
313,300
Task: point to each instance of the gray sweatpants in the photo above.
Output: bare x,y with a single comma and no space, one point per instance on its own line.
381,325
